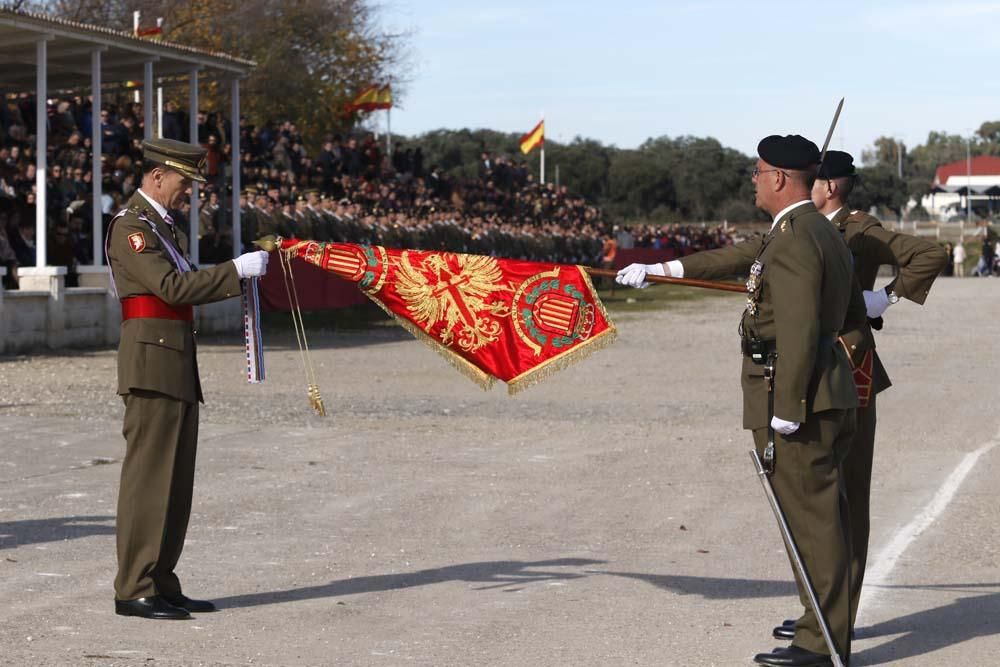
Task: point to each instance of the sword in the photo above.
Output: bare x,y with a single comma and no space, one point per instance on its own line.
793,551
829,133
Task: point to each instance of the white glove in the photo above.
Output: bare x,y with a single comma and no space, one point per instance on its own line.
876,302
251,264
783,427
634,275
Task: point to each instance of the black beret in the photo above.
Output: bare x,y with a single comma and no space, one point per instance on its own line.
836,164
789,152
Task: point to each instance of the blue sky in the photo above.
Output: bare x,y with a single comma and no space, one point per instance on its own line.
621,72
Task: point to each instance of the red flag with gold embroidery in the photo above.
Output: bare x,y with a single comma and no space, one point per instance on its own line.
491,318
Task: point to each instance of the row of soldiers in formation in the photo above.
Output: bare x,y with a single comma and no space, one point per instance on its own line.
317,217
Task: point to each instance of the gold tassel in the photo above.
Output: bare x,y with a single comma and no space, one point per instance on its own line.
558,363
316,401
462,365
285,257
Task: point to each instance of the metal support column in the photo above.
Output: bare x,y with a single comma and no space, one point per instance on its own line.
41,150
193,137
96,139
147,100
236,164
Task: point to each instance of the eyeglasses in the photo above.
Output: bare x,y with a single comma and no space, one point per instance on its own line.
757,171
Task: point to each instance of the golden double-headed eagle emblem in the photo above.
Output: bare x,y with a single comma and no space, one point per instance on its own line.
454,290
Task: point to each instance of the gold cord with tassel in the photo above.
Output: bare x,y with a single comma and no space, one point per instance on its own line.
315,399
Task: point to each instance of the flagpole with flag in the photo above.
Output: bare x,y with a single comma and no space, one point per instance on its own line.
535,138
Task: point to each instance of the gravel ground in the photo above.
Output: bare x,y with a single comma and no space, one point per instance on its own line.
607,516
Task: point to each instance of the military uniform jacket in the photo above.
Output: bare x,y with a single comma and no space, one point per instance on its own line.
802,293
159,354
919,262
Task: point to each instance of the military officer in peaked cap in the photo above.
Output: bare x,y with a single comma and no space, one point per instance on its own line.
800,285
158,377
918,262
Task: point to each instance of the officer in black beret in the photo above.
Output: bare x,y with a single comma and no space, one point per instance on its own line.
918,263
799,285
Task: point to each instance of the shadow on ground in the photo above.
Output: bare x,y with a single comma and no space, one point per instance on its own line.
496,574
35,531
923,632
712,588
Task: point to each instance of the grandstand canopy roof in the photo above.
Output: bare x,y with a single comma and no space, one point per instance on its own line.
70,44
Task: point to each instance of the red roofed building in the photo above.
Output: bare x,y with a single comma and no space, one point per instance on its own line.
958,172
979,176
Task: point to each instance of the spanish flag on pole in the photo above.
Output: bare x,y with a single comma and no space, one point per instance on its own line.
370,99
534,138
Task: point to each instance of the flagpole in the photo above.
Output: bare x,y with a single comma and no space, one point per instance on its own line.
542,169
388,132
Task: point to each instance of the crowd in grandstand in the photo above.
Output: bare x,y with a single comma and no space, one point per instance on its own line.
352,191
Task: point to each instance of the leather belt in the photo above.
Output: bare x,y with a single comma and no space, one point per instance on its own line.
770,346
149,306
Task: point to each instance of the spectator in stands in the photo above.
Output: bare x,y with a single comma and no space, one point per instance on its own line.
59,191
23,242
113,139
60,252
73,152
485,167
8,258
173,122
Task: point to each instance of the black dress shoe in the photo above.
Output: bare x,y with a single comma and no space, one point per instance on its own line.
793,656
193,606
787,630
154,607
784,631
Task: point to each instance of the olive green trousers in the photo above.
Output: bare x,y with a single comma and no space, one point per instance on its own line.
154,497
809,485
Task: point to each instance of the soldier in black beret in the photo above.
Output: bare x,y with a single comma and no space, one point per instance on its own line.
837,165
799,293
918,262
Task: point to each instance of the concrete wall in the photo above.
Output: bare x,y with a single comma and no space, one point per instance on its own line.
46,315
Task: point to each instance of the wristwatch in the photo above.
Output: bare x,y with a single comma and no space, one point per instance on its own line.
892,296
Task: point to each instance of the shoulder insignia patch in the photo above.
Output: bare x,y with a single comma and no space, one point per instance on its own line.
784,225
137,241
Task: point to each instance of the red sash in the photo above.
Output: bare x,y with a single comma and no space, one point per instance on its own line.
149,306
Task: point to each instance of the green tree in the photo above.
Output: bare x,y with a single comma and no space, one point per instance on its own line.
890,153
989,133
584,166
880,187
940,148
637,184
